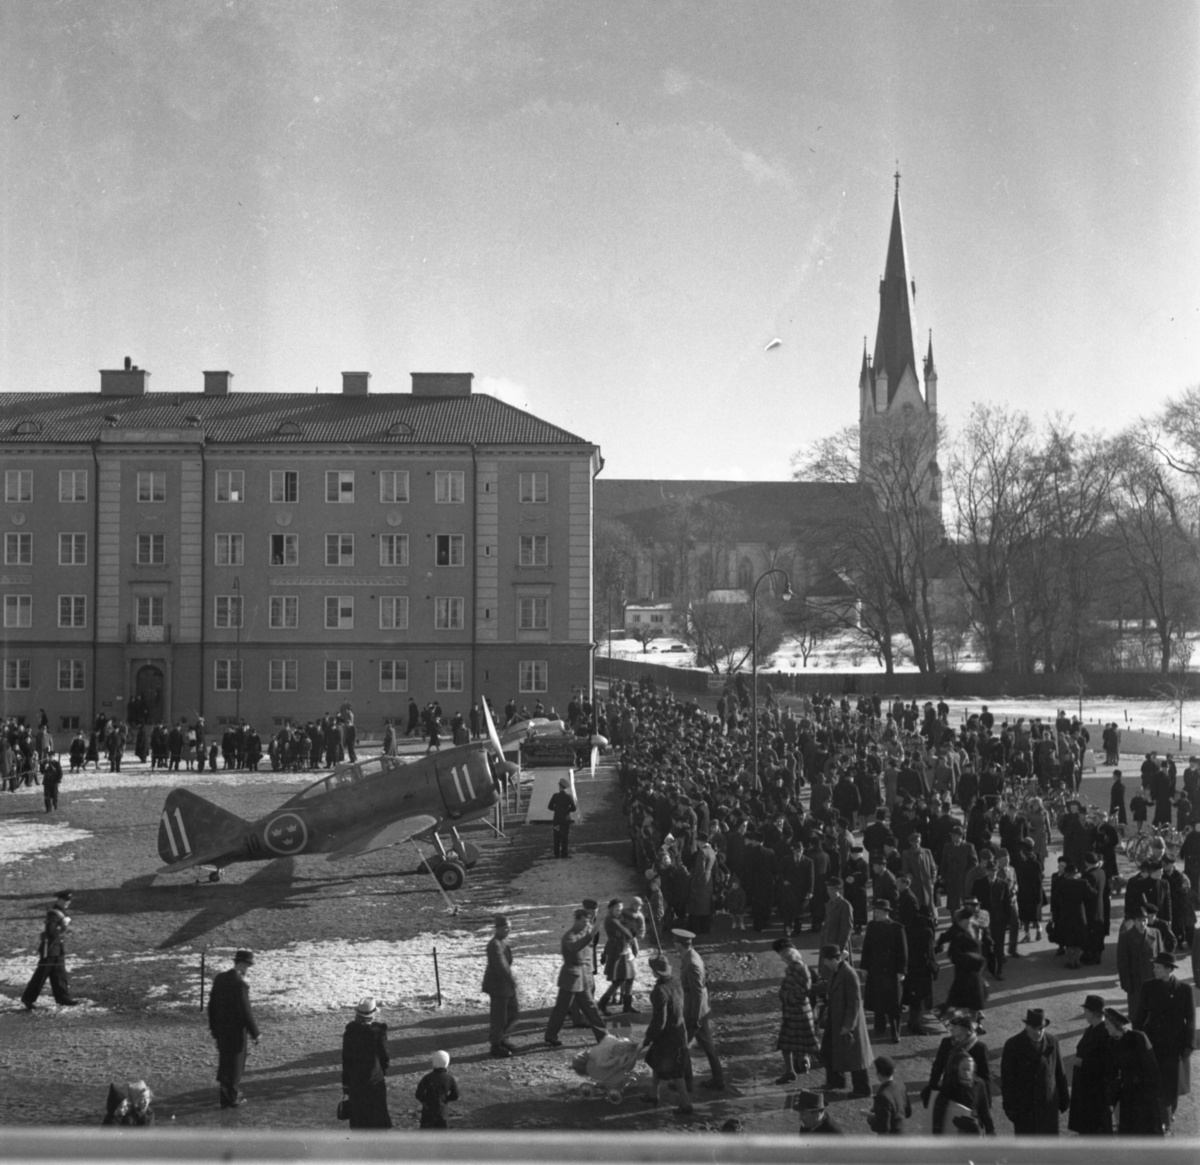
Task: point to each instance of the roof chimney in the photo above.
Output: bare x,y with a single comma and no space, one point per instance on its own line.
442,383
217,383
127,381
355,383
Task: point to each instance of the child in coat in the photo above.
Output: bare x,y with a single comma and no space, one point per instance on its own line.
436,1090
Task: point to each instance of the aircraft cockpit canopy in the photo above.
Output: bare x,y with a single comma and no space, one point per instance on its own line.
348,775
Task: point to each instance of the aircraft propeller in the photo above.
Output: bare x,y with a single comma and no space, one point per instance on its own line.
513,770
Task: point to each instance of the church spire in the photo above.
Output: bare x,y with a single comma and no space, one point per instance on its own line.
894,335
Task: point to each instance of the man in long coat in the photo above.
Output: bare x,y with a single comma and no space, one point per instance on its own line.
957,858
230,1020
500,986
1138,945
846,1044
884,957
695,1007
1133,1078
1167,1014
918,862
1091,1110
700,888
1032,1080
838,923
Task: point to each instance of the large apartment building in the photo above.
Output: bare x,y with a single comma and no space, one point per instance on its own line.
274,556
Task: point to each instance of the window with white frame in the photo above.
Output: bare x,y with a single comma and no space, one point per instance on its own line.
339,549
534,674
339,485
16,675
18,610
339,612
72,485
18,549
448,614
231,485
151,549
449,550
656,618
393,550
227,675
151,485
284,612
230,550
72,550
285,549
227,612
285,485
535,488
393,486
393,675
149,610
447,675
533,614
393,613
70,675
449,486
72,610
18,485
535,549
283,674
339,675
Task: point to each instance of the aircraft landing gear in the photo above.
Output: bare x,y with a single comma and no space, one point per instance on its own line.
216,875
450,875
467,854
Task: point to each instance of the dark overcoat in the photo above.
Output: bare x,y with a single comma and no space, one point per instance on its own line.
885,959
1034,1085
1090,1108
365,1060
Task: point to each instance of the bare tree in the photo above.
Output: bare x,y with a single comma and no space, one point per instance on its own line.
720,633
645,633
614,571
1177,691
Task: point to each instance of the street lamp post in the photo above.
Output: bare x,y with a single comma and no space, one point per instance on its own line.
785,595
237,626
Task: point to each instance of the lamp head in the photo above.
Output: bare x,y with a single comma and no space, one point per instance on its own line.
786,594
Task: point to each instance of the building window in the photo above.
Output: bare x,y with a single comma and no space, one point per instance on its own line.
535,488
285,485
339,549
227,612
339,612
149,610
393,613
535,549
656,618
227,675
72,610
72,485
151,549
18,610
449,550
70,675
230,550
448,614
393,486
231,485
339,675
339,485
393,675
284,612
18,549
72,550
393,550
285,549
283,675
636,619
18,485
16,675
447,675
69,723
534,674
151,486
534,614
448,487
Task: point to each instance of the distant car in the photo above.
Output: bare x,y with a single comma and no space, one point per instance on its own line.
675,647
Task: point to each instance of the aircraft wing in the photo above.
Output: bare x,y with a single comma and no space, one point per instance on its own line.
375,837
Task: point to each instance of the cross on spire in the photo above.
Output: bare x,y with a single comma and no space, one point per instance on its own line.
897,175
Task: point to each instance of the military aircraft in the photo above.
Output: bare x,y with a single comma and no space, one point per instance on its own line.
358,808
520,730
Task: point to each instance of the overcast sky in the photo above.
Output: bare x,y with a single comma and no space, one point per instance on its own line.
606,210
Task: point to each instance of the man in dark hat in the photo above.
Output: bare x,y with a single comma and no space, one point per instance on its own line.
885,959
957,858
230,1020
1091,1112
839,917
1167,1014
1133,1078
814,1117
52,957
500,986
918,862
1138,945
846,1043
1032,1080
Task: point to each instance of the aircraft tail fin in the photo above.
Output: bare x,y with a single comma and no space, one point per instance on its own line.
192,828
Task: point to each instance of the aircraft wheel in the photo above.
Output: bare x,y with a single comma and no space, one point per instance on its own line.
615,1096
468,855
450,875
215,876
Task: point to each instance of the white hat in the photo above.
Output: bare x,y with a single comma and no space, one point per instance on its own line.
367,1006
440,1059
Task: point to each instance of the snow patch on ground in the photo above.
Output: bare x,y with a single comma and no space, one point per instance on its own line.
19,839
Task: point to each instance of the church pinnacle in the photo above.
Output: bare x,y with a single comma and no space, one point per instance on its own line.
895,351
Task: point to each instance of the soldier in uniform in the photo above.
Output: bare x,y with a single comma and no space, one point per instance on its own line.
230,1020
575,982
695,1007
52,957
562,805
501,988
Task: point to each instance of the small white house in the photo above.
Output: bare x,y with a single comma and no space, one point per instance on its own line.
648,612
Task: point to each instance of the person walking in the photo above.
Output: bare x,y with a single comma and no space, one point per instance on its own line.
797,1041
962,1040
562,805
1138,945
846,1044
666,1041
963,1102
231,1020
619,943
575,983
52,776
365,1060
696,1008
838,923
891,1106
884,957
1133,1078
1091,1110
436,1089
967,990
52,957
1167,1014
1032,1081
500,985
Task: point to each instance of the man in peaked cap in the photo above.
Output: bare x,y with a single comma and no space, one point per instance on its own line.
230,1020
52,957
562,805
695,1005
500,985
1032,1080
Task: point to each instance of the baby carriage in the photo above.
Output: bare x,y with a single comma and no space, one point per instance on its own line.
609,1066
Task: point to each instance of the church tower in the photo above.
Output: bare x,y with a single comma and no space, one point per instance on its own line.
889,386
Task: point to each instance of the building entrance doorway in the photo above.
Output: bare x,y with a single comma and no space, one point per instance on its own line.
149,694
